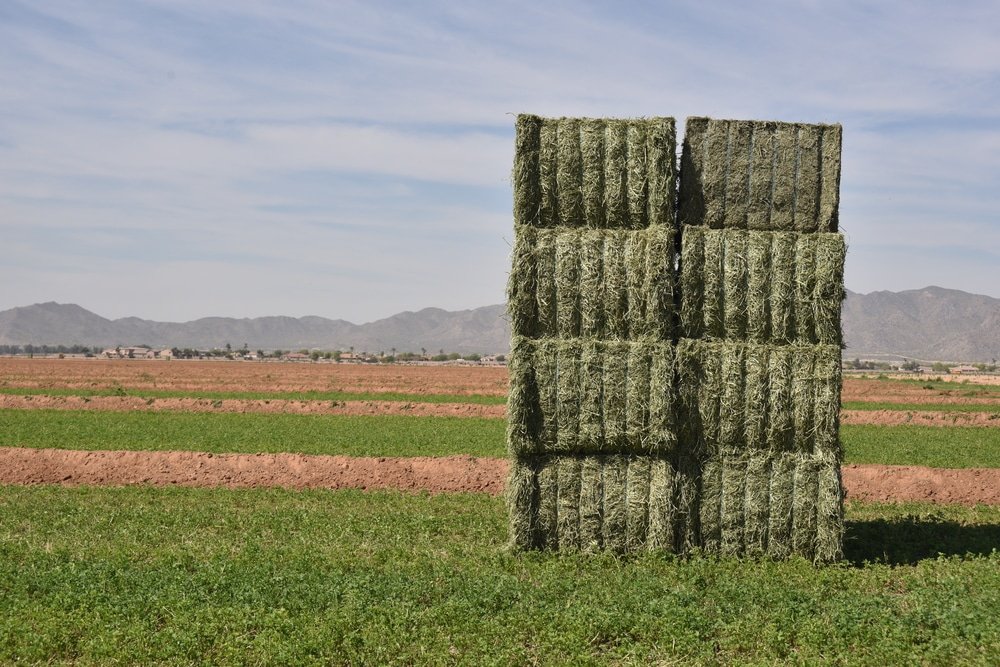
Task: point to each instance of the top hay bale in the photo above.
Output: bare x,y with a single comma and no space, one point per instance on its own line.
594,172
761,175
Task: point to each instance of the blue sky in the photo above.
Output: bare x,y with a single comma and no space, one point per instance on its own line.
177,159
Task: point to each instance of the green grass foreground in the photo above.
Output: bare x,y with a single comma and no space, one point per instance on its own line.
392,435
992,409
175,576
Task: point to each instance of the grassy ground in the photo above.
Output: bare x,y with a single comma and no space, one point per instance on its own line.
390,435
921,407
134,575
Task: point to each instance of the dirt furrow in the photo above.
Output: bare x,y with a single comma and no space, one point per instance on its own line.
920,418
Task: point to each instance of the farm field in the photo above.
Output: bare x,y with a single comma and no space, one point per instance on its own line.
240,571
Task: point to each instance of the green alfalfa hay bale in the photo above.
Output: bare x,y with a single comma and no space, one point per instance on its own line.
522,499
548,164
761,175
614,392
781,494
640,357
638,173
568,284
805,288
615,286
686,521
591,279
710,505
829,512
662,510
758,294
714,290
829,198
662,438
689,377
615,475
804,499
807,180
732,516
546,351
782,302
827,373
637,502
591,438
661,150
735,278
783,187
738,177
526,176
569,173
522,285
659,282
616,174
757,396
591,501
548,503
732,425
569,471
780,414
635,272
524,415
804,397
691,197
715,172
592,151
545,282
692,281
568,395
757,503
829,288
711,386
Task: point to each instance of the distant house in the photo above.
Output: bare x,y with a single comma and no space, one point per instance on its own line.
296,356
166,354
961,370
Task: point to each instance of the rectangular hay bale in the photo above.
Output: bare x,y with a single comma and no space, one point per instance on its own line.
661,149
805,288
526,175
616,174
692,284
805,196
710,505
548,166
614,392
756,396
568,395
781,493
569,471
591,283
568,285
758,287
804,499
738,175
592,157
615,287
761,176
640,358
783,295
638,172
732,425
615,513
522,498
829,198
661,505
714,291
591,503
783,186
522,283
545,283
569,173
591,438
757,504
828,287
732,516
735,279
637,502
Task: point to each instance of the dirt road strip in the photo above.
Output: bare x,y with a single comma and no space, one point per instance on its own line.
920,418
438,474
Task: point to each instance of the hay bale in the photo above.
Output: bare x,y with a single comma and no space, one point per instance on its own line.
591,502
526,175
659,282
635,273
568,284
615,513
545,282
546,377
781,492
827,381
591,283
710,390
738,175
732,408
715,171
522,283
783,188
686,526
829,191
692,287
783,294
780,415
569,473
615,287
661,149
735,279
591,437
807,180
806,482
616,174
732,517
569,173
521,495
640,359
661,505
829,511
525,419
757,504
569,383
548,503
758,291
805,288
804,397
761,177
592,156
638,172
691,195
614,394
548,164
637,502
756,395
662,430
689,376
714,290
829,287
710,505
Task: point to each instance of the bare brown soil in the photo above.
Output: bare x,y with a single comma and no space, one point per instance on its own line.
252,376
443,474
880,391
921,418
272,406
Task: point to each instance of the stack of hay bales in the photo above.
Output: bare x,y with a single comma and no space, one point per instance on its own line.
655,410
761,285
592,413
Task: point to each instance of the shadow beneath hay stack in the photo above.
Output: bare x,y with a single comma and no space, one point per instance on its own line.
907,541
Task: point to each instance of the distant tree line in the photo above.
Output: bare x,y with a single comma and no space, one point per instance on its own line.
30,349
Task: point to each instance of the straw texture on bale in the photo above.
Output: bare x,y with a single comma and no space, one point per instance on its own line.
760,175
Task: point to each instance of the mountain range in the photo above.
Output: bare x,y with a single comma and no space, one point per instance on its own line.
929,324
